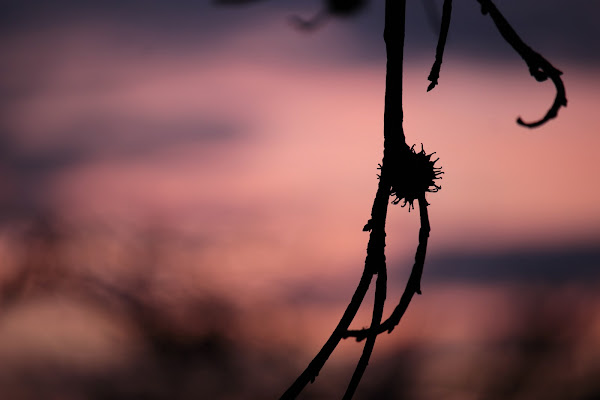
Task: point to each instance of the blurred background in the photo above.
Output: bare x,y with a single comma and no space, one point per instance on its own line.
183,188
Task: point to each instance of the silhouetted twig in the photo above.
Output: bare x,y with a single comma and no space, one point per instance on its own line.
314,367
380,294
434,75
412,286
394,147
405,174
539,67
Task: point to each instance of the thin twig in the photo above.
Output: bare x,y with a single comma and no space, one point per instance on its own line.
374,262
394,146
393,163
380,294
412,286
539,67
434,75
314,367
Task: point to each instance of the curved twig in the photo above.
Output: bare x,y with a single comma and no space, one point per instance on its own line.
314,367
394,153
374,263
380,294
539,67
394,147
434,75
412,286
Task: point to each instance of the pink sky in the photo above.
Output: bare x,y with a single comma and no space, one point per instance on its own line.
290,193
280,201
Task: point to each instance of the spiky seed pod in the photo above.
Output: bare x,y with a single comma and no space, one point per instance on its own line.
413,175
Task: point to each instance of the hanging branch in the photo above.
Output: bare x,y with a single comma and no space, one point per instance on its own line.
434,75
380,294
314,367
394,149
405,174
412,286
539,67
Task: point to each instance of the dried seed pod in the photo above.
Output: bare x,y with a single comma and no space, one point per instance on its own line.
413,175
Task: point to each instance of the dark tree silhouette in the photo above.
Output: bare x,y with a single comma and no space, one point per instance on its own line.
405,173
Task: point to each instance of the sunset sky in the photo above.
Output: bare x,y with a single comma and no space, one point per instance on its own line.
228,122
227,125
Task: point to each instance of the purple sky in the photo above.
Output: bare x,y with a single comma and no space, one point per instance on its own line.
228,123
199,155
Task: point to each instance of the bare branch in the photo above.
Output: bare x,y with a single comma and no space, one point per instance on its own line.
412,286
380,294
394,147
539,67
434,75
374,263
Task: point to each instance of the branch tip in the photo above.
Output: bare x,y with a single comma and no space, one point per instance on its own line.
539,67
439,52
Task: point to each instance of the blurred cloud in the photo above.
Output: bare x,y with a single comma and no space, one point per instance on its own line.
543,266
237,140
558,29
251,150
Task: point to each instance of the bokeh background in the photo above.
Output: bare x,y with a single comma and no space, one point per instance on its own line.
183,189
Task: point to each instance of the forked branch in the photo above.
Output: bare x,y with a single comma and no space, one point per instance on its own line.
405,174
380,294
412,286
394,148
374,263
